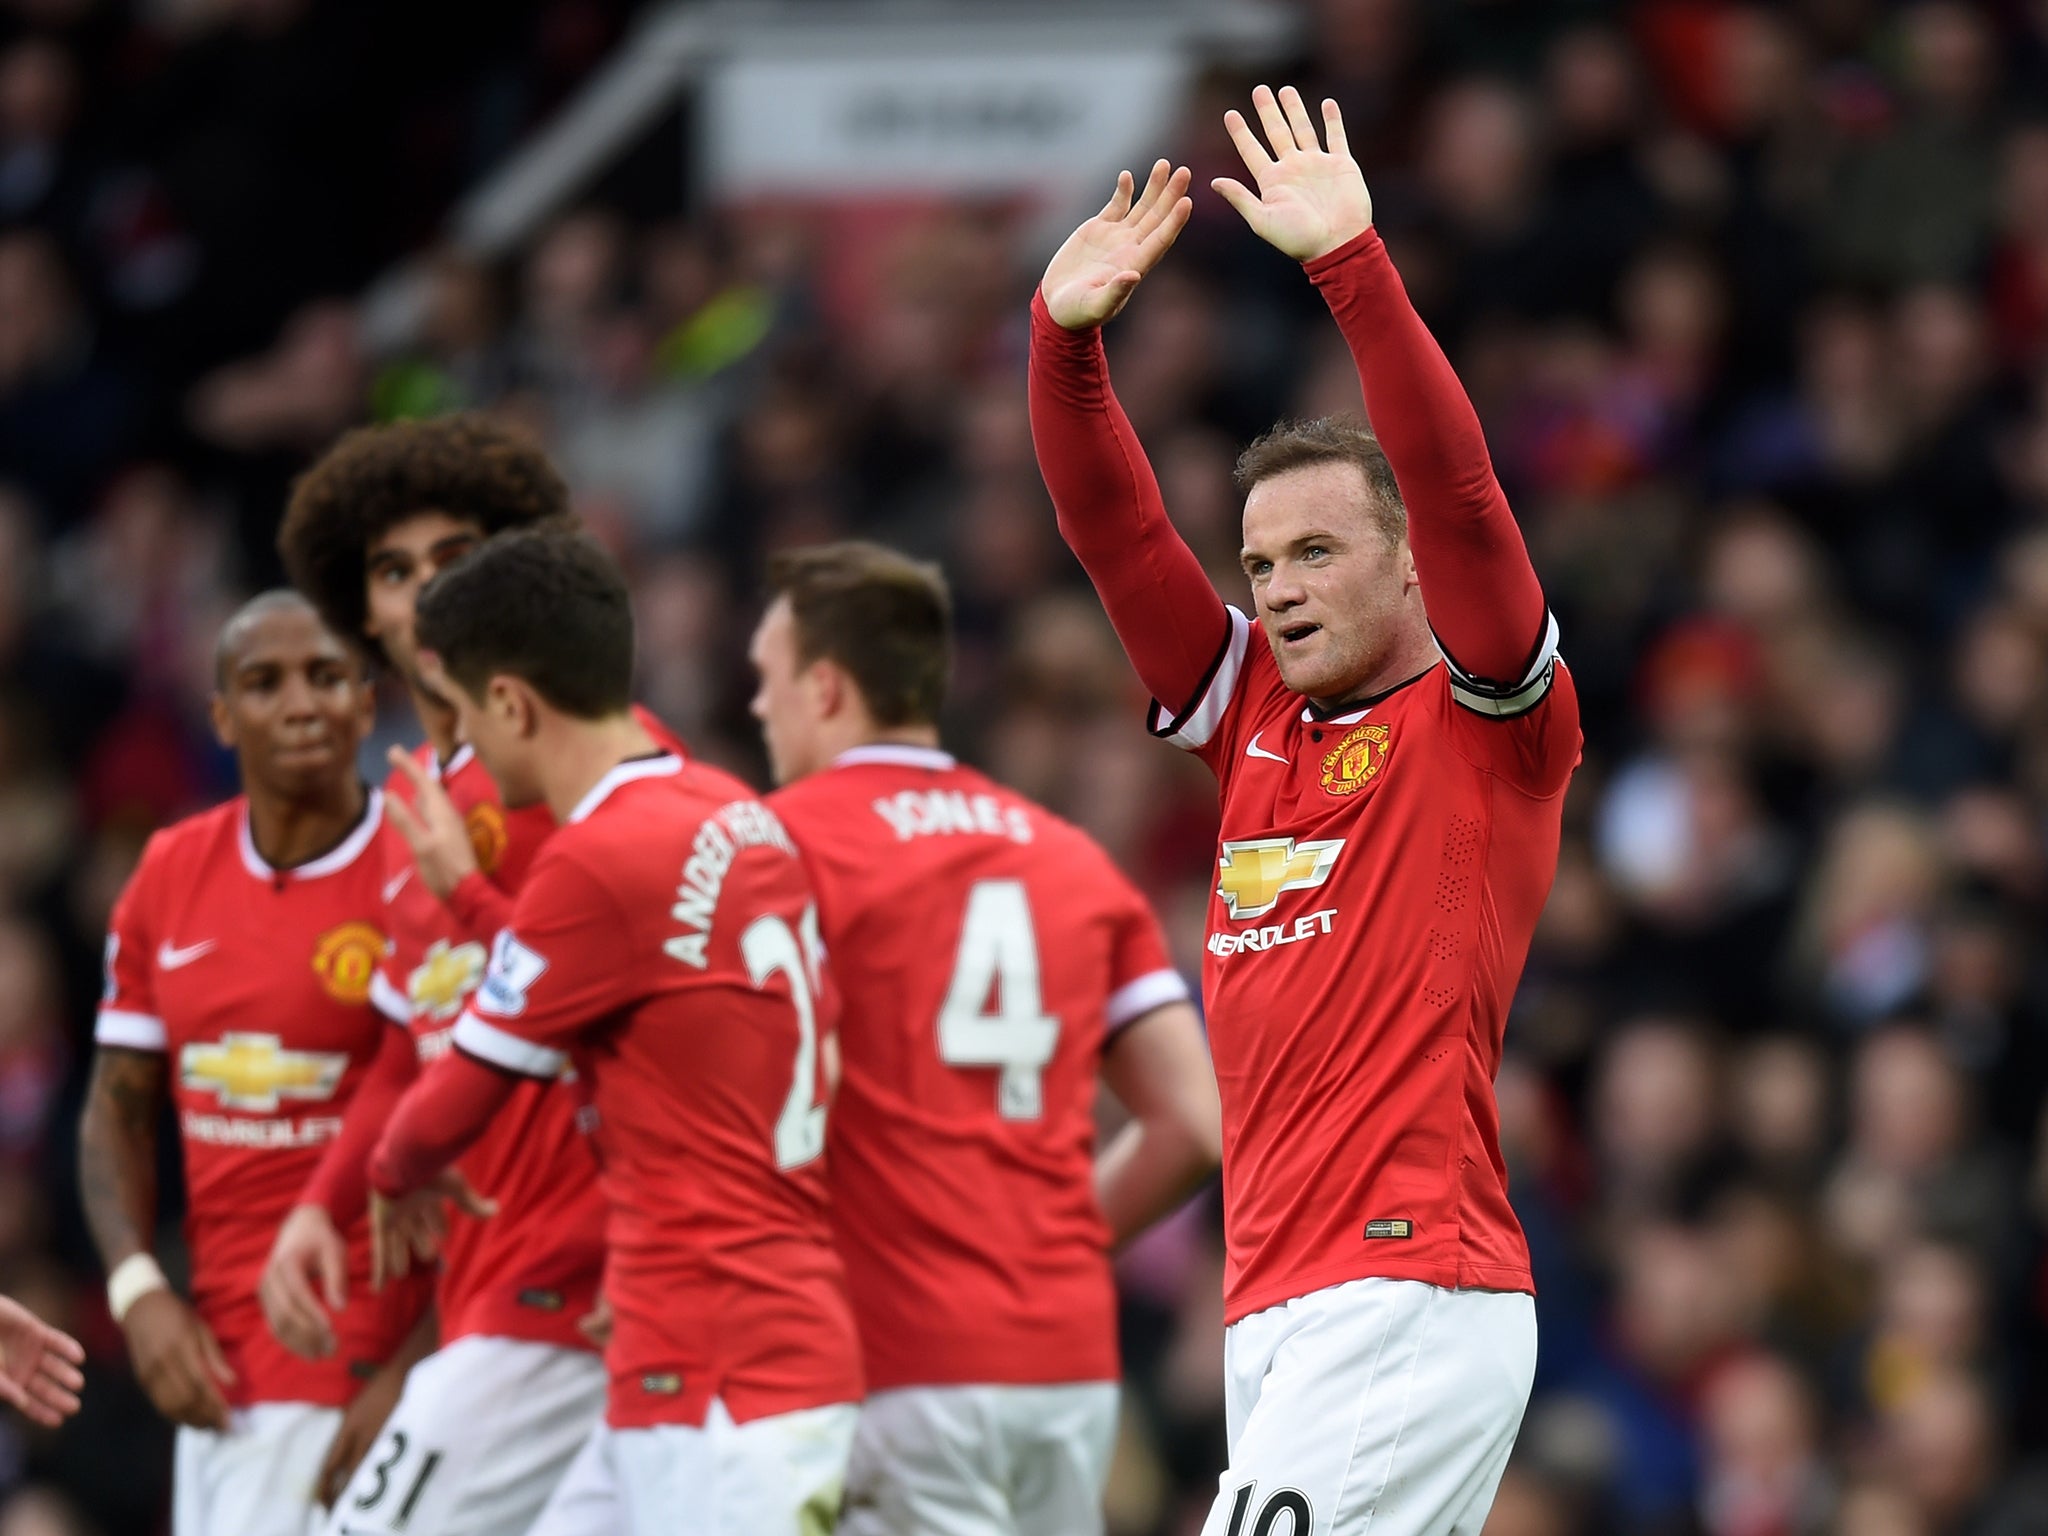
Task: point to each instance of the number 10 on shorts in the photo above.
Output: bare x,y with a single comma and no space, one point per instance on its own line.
1290,1502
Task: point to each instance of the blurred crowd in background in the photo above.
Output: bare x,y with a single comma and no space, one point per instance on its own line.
1753,300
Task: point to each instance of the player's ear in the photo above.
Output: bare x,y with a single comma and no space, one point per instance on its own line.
827,685
223,721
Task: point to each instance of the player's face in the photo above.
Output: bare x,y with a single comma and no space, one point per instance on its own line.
401,560
788,701
293,706
499,725
1331,589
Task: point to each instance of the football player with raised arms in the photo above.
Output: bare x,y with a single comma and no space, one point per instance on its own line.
993,965
238,993
1393,733
667,939
489,1422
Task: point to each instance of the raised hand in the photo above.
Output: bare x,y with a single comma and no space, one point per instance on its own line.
1310,199
1094,274
431,827
39,1365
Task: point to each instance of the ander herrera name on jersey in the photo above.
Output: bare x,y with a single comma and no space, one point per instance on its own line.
725,835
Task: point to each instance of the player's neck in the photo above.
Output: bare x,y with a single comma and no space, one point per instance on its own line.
868,734
289,832
583,752
1414,655
437,719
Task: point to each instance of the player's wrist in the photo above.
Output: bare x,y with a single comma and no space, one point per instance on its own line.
135,1277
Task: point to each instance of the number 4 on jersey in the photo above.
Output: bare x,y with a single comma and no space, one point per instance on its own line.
998,964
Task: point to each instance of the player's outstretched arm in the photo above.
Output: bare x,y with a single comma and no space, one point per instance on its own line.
1159,1069
176,1356
1111,514
39,1366
439,1119
1311,202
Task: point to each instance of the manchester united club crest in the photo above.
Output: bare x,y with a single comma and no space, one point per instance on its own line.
486,823
345,958
1356,760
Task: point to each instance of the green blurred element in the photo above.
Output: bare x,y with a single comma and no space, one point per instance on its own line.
408,391
820,1513
717,336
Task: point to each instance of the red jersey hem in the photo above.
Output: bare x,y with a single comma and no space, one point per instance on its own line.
1453,1276
628,1406
529,1325
964,1370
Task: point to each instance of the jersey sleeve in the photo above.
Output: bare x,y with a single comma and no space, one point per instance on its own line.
480,904
1172,624
1485,603
128,1015
1141,972
555,970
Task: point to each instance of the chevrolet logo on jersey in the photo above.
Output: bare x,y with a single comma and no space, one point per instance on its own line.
1252,874
449,974
252,1072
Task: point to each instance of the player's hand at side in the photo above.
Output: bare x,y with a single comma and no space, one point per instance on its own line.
432,827
39,1366
308,1248
1095,273
1311,199
596,1324
413,1227
178,1361
361,1423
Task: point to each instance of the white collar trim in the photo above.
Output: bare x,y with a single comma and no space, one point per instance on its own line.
625,773
334,860
897,755
1310,717
457,761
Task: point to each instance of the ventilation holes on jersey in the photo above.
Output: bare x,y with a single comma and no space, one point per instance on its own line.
1442,946
1461,840
1450,891
1439,997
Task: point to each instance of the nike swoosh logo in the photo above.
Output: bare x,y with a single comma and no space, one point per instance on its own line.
1255,750
169,959
394,885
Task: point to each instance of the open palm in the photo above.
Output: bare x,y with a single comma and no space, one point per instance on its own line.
1310,199
39,1366
1093,275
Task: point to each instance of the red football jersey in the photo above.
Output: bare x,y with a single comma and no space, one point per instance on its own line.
666,936
1380,877
532,1270
984,952
255,983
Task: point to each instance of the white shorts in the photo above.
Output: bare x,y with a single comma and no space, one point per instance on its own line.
783,1475
982,1461
1381,1404
482,1432
255,1478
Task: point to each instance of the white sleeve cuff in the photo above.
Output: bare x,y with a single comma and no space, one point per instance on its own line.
388,1000
1134,999
1196,724
1506,700
502,1048
130,1031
